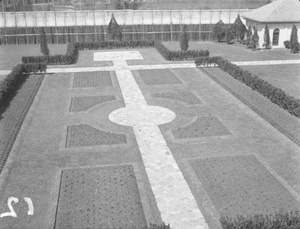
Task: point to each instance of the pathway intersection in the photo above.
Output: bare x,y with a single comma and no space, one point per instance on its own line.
186,168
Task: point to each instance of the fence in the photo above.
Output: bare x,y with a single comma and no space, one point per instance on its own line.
63,27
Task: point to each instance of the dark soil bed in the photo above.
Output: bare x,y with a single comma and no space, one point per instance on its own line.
12,118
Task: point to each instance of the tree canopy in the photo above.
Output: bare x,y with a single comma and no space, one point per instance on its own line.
114,31
219,31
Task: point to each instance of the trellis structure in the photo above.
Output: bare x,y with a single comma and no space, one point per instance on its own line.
90,26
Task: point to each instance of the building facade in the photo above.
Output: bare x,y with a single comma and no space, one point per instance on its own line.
280,16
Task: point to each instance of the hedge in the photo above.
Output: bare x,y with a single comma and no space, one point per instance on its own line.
114,44
16,77
276,95
280,220
179,55
70,57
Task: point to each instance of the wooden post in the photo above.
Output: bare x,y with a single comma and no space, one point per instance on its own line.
26,28
171,26
200,25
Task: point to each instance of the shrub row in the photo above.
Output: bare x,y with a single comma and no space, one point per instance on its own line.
16,77
179,55
70,57
276,95
280,220
114,44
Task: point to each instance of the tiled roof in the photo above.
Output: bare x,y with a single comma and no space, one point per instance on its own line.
277,11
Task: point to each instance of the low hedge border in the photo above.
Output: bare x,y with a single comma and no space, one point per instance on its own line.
15,114
276,116
71,55
179,55
279,220
276,95
15,78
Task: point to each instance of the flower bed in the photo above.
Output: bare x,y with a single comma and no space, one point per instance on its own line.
276,95
279,118
12,118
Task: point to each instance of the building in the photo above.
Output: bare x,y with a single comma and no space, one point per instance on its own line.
280,15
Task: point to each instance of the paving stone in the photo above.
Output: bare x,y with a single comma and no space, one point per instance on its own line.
185,97
203,126
242,185
158,76
104,197
85,103
92,79
84,135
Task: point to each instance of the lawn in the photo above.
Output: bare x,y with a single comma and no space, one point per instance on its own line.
236,52
10,55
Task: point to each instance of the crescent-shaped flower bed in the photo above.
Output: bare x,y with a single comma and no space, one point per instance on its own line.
17,93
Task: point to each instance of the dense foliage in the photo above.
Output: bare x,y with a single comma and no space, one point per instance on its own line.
253,43
70,57
184,40
248,35
229,35
179,55
114,44
18,75
44,46
294,40
287,44
267,41
114,31
239,29
276,95
279,220
219,31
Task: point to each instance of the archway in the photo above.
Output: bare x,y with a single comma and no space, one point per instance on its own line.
275,37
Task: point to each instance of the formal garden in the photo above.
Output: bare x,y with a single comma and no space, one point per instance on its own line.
235,137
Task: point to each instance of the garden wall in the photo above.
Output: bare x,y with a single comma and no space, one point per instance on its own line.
85,26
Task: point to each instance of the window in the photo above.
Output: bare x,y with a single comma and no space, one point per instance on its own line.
275,37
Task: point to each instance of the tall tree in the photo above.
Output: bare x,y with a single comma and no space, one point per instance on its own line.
184,40
267,41
114,31
249,34
254,39
219,31
239,28
44,46
229,34
294,40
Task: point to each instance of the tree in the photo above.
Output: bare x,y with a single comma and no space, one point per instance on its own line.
254,40
267,41
294,40
114,31
248,35
184,40
239,28
219,31
44,46
229,34
118,5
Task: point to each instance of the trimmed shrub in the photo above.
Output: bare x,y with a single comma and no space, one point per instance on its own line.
294,40
44,46
219,31
253,44
287,44
267,41
282,220
179,55
114,31
184,40
276,95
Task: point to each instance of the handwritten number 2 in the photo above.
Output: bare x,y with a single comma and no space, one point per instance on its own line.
12,212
